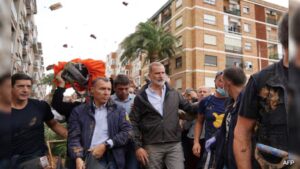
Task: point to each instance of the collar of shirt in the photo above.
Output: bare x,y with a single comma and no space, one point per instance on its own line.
156,100
101,107
152,91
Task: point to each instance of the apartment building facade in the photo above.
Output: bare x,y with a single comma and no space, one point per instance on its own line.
26,51
216,34
115,66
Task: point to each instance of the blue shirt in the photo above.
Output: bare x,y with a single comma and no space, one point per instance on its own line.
100,134
156,100
126,104
213,109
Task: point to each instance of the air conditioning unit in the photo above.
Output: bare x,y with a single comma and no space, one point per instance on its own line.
248,65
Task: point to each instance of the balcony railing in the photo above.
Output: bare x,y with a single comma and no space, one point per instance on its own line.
274,56
271,21
234,11
232,29
14,11
233,49
166,19
272,37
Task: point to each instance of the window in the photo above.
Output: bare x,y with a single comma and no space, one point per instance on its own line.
178,22
210,82
212,2
209,19
179,41
178,3
233,61
246,10
178,84
246,27
233,44
178,62
167,69
248,46
210,39
210,60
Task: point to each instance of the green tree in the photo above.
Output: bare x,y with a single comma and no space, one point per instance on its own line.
48,79
149,38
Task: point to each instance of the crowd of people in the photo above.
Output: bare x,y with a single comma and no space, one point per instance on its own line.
155,127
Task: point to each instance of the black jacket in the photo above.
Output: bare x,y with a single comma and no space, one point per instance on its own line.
149,126
63,108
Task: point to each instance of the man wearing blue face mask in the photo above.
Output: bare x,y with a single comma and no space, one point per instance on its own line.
211,110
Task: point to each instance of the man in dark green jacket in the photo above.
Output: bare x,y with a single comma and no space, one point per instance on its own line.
155,120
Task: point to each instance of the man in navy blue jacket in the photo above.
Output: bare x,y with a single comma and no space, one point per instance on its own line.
98,131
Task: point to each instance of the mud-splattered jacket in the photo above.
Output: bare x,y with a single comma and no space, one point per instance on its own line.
265,99
81,128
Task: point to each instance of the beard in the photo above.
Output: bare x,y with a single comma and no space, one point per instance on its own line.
159,82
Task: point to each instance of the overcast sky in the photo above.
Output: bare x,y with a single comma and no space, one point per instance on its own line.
109,20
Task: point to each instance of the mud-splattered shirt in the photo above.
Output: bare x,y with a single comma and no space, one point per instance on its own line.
213,109
28,139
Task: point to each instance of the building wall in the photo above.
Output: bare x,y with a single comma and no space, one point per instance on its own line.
194,73
255,51
26,51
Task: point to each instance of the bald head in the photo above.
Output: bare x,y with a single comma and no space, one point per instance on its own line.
203,92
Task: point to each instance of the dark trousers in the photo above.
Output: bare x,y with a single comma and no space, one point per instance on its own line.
131,161
106,162
191,160
30,164
5,163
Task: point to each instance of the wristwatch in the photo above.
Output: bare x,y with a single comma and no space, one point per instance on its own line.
107,145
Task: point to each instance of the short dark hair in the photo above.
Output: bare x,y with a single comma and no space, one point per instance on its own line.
121,80
20,76
236,75
283,30
296,25
5,76
100,78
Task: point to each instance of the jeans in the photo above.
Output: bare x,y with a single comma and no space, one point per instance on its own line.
106,162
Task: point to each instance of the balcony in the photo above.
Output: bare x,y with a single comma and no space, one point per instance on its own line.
113,66
233,11
167,28
34,45
274,56
271,20
233,49
25,50
232,29
233,61
40,49
272,37
31,7
166,16
14,12
129,66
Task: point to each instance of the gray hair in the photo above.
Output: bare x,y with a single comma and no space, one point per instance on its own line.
154,64
104,79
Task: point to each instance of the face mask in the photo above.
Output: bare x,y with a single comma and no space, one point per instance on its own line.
222,92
